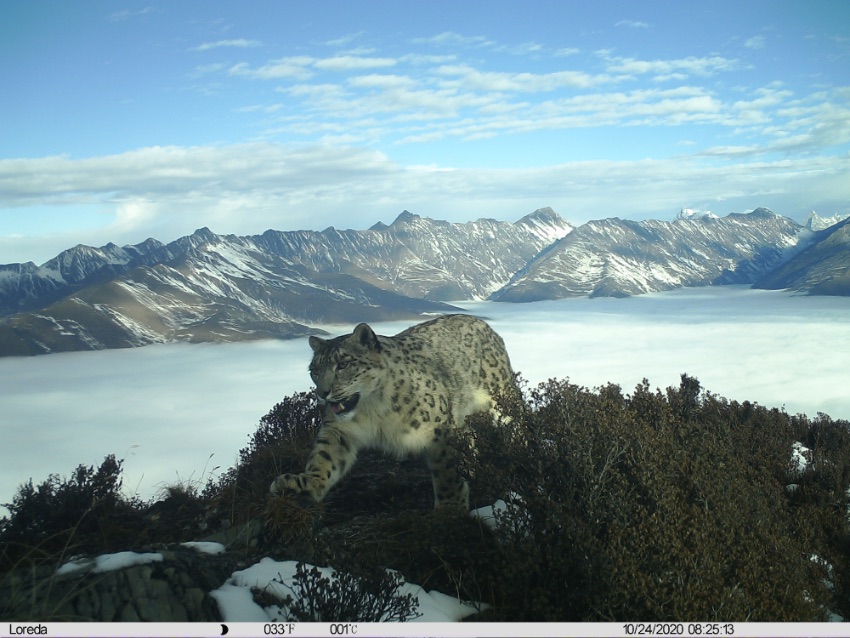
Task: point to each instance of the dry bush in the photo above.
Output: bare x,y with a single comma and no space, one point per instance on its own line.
84,512
355,595
658,507
281,443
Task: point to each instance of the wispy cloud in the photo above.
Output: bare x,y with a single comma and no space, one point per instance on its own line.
632,24
128,14
465,102
422,98
288,67
239,43
303,67
382,81
526,48
756,42
702,66
450,38
353,63
566,52
471,78
344,40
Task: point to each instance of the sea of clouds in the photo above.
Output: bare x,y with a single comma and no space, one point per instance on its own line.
180,412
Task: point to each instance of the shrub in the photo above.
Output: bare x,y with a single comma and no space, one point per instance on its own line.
280,444
363,595
84,511
655,506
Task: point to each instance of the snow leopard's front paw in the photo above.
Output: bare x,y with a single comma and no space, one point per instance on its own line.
302,486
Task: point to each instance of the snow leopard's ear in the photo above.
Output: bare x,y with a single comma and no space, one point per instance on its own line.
366,337
316,342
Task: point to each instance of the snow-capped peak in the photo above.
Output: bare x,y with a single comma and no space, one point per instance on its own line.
546,223
816,222
690,213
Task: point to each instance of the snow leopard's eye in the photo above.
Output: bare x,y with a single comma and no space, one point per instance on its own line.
342,364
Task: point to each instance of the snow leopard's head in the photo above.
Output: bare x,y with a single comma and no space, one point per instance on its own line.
346,370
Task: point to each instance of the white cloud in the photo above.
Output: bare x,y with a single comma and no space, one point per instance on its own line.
450,38
382,81
166,192
498,115
240,43
344,40
471,78
304,67
288,67
419,60
526,48
795,128
133,214
756,42
353,63
632,24
263,108
701,66
466,102
566,52
128,14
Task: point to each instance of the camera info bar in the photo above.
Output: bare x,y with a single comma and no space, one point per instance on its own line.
414,629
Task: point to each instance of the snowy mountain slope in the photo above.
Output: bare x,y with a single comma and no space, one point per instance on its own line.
414,256
422,257
821,268
27,286
614,257
216,289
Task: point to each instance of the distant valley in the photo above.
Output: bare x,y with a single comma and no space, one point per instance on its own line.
217,288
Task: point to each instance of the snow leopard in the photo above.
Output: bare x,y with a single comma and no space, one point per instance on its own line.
402,394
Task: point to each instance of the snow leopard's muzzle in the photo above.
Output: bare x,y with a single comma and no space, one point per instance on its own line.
345,406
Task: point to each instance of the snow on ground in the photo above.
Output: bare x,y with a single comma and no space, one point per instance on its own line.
108,562
205,547
488,513
235,599
801,457
276,577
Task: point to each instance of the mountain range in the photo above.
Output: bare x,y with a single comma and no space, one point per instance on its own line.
208,287
617,257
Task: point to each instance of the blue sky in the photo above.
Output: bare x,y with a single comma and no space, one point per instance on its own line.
126,120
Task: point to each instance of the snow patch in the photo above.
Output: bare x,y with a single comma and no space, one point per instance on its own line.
205,547
801,458
488,513
108,562
236,603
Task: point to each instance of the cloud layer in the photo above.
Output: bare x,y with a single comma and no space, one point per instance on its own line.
167,192
167,409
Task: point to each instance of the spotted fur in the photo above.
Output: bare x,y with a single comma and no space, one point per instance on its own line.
402,394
